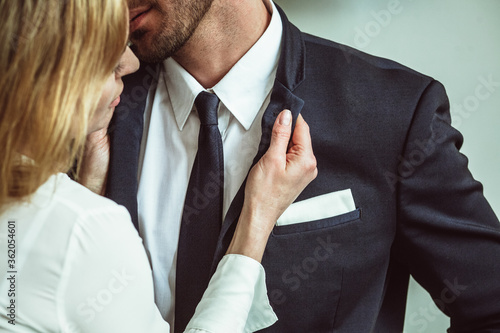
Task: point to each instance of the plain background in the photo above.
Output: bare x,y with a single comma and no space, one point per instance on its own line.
455,41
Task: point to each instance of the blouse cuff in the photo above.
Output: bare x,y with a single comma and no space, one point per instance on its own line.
235,300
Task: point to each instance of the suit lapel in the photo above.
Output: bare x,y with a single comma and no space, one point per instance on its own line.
125,132
289,75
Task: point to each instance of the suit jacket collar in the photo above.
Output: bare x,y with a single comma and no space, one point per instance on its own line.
291,68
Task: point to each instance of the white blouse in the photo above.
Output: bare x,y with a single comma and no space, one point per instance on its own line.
76,264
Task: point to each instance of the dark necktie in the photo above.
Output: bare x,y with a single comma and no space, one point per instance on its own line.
202,215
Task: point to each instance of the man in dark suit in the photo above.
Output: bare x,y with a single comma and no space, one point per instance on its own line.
393,195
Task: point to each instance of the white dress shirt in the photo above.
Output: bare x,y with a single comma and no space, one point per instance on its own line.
170,143
79,266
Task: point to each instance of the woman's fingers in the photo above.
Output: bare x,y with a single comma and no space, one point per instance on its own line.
300,156
280,139
281,174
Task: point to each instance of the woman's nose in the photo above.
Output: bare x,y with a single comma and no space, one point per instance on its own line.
130,62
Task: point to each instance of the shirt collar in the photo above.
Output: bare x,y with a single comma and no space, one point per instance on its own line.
243,89
182,89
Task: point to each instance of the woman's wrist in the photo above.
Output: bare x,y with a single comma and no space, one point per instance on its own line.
250,238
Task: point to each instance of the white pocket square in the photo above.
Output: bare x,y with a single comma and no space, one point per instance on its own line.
317,208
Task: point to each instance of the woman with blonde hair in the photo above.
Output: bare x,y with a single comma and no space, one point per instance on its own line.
71,260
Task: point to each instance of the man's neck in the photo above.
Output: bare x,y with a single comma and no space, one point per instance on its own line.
230,28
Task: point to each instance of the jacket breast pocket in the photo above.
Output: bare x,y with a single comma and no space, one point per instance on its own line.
310,226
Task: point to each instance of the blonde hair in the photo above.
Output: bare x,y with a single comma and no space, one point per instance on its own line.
54,60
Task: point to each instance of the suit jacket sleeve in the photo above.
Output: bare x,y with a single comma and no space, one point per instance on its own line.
447,235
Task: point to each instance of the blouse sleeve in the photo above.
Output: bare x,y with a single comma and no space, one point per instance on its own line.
107,285
235,300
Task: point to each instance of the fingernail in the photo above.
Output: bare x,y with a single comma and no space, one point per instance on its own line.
285,118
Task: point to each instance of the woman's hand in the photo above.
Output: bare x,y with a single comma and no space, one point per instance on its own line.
95,162
273,184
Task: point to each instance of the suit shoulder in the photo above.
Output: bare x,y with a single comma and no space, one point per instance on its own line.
340,58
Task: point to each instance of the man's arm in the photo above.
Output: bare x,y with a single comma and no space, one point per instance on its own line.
447,235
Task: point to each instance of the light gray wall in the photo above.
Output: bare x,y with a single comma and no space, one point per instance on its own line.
455,41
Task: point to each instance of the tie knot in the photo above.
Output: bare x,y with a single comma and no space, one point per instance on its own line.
206,105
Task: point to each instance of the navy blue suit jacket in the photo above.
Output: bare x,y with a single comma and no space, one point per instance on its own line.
383,131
